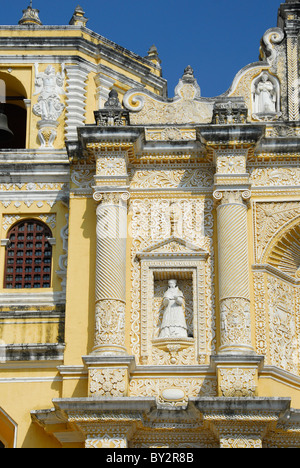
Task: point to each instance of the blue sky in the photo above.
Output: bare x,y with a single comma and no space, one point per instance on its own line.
216,37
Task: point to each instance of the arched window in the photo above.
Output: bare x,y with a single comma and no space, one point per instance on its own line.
28,255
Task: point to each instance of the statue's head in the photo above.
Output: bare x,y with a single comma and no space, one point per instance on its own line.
172,283
50,70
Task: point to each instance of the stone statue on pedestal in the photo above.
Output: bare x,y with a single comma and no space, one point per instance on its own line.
266,98
173,323
266,95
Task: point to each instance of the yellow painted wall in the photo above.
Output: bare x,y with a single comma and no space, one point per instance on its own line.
80,301
26,389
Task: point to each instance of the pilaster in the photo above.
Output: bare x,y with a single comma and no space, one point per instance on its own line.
109,365
77,76
289,21
108,144
229,145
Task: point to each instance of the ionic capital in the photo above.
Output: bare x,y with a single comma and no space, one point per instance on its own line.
228,197
111,197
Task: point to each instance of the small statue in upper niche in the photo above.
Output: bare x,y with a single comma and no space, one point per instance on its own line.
173,323
265,97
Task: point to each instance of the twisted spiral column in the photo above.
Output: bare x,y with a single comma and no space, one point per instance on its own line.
293,73
234,293
110,273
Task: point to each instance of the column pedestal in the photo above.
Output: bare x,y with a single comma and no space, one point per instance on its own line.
237,376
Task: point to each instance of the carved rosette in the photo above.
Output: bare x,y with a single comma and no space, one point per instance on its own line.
107,382
237,382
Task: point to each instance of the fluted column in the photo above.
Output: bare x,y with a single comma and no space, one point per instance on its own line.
234,293
110,273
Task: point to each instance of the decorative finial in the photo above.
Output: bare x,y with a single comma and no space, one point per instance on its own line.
185,91
30,16
188,72
113,113
78,18
153,55
113,100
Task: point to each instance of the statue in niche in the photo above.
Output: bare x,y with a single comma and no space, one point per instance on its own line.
173,323
265,98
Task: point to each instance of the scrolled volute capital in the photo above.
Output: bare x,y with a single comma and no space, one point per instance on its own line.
111,198
246,195
227,197
217,195
97,196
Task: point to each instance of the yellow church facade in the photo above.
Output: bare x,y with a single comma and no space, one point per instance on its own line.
150,246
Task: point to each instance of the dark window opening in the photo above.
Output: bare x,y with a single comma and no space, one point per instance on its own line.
16,119
13,108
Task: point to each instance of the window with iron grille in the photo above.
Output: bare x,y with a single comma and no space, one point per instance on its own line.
28,256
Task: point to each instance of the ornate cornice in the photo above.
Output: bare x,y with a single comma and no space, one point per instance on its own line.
231,134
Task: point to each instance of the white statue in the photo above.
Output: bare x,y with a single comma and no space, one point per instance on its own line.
265,96
50,87
173,323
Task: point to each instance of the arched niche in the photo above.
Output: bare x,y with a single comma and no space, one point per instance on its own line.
265,92
13,105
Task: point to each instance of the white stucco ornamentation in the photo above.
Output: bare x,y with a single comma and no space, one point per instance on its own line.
49,86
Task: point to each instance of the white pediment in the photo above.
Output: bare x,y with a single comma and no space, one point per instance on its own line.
172,247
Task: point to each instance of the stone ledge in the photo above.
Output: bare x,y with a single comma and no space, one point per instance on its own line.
106,404
233,406
32,352
114,361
